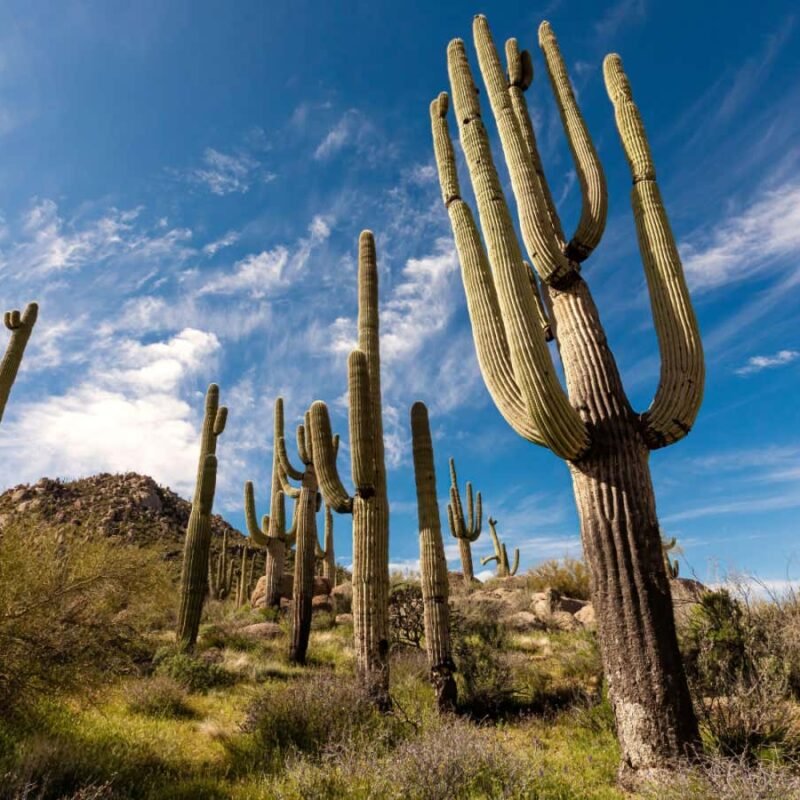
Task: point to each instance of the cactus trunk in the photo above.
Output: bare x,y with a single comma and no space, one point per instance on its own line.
465,551
304,567
433,564
20,326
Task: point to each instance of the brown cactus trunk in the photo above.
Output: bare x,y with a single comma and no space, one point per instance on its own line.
273,570
304,567
466,561
630,591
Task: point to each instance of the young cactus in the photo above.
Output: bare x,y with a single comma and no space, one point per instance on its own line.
504,570
592,426
433,564
272,534
368,504
194,576
20,326
465,530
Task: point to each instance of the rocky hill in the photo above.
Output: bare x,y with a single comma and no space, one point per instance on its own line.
130,507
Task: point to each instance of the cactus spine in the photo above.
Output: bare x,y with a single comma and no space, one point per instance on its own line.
465,530
194,576
272,535
433,564
368,505
20,326
593,427
504,570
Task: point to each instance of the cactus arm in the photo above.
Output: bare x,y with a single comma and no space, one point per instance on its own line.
220,419
541,313
331,484
291,535
287,470
470,507
587,165
488,560
305,457
21,326
537,232
286,487
478,516
680,389
452,521
515,566
491,343
362,444
558,423
256,535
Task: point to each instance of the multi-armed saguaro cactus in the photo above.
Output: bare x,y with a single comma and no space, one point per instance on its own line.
194,577
369,505
20,326
433,564
326,555
465,530
593,427
308,501
272,535
504,569
220,572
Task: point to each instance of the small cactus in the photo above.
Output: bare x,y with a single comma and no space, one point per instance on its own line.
20,326
504,570
465,530
220,572
194,576
326,555
673,567
433,564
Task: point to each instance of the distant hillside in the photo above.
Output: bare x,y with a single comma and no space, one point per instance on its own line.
132,508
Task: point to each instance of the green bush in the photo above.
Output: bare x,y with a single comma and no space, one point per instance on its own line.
73,612
406,615
224,635
193,673
158,696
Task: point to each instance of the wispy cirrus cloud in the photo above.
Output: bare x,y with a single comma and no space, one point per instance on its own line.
758,363
228,173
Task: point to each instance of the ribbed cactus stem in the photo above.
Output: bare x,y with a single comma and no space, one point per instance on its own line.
304,567
20,326
504,568
368,505
465,529
327,554
433,564
592,426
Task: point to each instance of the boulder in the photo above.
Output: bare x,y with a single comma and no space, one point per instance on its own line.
262,630
342,597
322,586
257,595
525,621
322,602
563,621
686,594
586,616
344,619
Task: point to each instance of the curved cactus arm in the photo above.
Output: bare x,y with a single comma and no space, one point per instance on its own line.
491,343
452,520
257,535
558,423
20,326
587,164
488,560
214,419
287,470
512,570
680,389
362,427
470,507
220,419
495,539
291,535
307,443
287,488
476,531
305,456
330,483
537,232
541,313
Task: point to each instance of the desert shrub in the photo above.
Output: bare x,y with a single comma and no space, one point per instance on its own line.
568,576
73,612
456,759
739,676
406,615
158,696
318,714
193,673
323,621
224,635
485,685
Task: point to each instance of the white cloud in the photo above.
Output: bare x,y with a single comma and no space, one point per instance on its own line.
128,414
224,173
748,243
337,137
758,363
230,238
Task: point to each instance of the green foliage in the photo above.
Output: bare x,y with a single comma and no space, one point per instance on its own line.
225,634
193,673
158,696
73,613
569,577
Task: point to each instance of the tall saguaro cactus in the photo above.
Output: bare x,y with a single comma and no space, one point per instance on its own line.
272,535
194,576
592,426
368,505
433,564
504,568
20,326
468,529
308,500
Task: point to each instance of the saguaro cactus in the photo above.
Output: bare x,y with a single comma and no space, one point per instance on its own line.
194,576
20,326
220,572
465,530
605,443
433,564
326,555
673,567
308,502
504,569
368,505
272,535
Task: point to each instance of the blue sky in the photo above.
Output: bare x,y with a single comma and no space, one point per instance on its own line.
182,185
